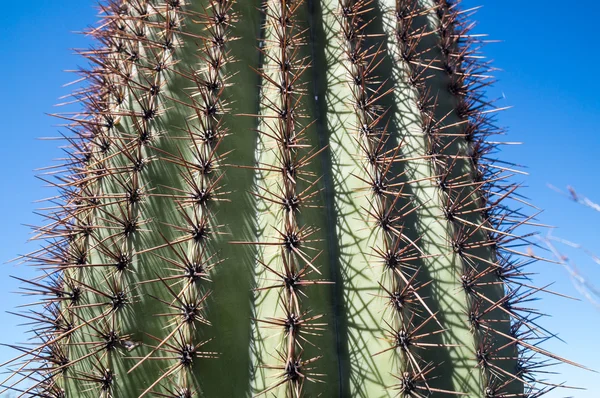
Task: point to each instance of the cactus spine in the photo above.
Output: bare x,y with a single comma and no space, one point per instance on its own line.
283,198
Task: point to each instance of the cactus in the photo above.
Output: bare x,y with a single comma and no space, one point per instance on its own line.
283,198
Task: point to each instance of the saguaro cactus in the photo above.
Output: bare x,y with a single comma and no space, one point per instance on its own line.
283,198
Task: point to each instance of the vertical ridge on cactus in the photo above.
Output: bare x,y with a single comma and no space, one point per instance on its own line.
287,198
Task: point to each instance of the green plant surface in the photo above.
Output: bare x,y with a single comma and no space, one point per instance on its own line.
283,198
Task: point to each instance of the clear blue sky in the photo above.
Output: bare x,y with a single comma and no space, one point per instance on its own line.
548,56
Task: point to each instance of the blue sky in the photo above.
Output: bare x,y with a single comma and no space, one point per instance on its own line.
547,59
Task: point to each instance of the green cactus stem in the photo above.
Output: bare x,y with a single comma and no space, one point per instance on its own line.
282,198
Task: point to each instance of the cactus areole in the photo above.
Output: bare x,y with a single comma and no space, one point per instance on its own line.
282,198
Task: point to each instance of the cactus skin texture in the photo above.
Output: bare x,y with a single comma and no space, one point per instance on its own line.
283,198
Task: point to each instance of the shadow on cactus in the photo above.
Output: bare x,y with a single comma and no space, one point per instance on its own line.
283,198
